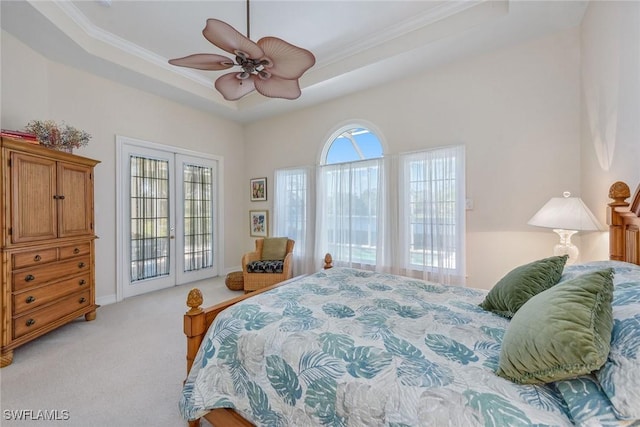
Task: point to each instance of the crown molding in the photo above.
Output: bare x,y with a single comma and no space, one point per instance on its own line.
96,33
444,10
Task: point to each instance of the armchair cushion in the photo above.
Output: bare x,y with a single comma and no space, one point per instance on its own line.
266,266
274,248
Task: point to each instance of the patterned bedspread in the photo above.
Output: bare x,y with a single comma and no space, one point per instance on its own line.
344,347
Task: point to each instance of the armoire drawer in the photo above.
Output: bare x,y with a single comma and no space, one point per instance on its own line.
37,257
75,250
34,298
39,318
31,277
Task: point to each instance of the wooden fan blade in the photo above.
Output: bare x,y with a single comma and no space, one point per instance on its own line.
232,88
228,39
204,61
276,87
286,60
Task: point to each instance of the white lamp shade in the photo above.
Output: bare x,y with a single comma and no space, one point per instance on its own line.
568,213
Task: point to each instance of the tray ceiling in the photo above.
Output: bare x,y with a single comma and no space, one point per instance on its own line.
357,44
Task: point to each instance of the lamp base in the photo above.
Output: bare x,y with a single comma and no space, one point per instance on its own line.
565,247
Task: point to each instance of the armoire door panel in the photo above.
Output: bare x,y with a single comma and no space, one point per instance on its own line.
34,214
74,200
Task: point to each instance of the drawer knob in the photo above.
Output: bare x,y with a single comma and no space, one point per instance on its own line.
76,251
30,322
82,282
29,278
30,299
37,258
81,265
83,299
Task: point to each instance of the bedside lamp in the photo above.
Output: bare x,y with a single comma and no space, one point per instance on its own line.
566,215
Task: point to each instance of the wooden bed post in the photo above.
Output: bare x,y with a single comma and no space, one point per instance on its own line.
194,328
328,261
619,192
194,325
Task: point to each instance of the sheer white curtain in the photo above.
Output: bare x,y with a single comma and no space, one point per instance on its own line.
400,214
294,214
388,254
349,209
432,214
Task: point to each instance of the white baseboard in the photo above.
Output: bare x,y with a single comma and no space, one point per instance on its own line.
111,299
106,300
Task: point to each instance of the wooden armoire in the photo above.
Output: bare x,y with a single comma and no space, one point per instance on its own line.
47,242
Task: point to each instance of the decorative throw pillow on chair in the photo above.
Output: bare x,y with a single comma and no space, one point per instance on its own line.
274,248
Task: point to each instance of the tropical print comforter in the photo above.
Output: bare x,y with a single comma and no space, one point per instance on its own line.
345,347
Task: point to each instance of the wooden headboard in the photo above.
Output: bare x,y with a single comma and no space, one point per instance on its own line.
623,219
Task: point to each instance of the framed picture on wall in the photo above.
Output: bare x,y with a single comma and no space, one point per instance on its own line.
258,189
259,223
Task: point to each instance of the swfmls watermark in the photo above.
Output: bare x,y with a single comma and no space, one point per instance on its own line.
36,414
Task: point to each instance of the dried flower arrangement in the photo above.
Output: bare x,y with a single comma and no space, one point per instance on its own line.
63,138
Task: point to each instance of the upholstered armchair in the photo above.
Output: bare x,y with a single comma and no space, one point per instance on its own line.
270,263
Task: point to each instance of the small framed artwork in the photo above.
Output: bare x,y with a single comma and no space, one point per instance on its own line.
258,189
259,223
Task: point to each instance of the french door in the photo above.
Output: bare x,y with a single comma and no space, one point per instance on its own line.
168,211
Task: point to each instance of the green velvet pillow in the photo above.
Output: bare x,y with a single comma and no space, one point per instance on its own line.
523,282
274,248
561,333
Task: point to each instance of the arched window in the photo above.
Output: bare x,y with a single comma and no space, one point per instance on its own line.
352,144
350,187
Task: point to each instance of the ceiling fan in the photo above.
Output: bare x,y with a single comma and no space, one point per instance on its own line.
271,66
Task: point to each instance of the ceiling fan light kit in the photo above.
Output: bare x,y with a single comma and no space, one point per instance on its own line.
271,66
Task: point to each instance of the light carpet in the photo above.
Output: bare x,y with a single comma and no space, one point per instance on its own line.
125,368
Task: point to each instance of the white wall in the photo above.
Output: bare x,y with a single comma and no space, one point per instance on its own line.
610,140
36,88
517,111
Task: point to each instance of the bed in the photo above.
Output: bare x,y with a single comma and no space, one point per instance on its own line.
346,347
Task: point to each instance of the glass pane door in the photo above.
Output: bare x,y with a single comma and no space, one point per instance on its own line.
196,219
168,217
150,230
149,224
